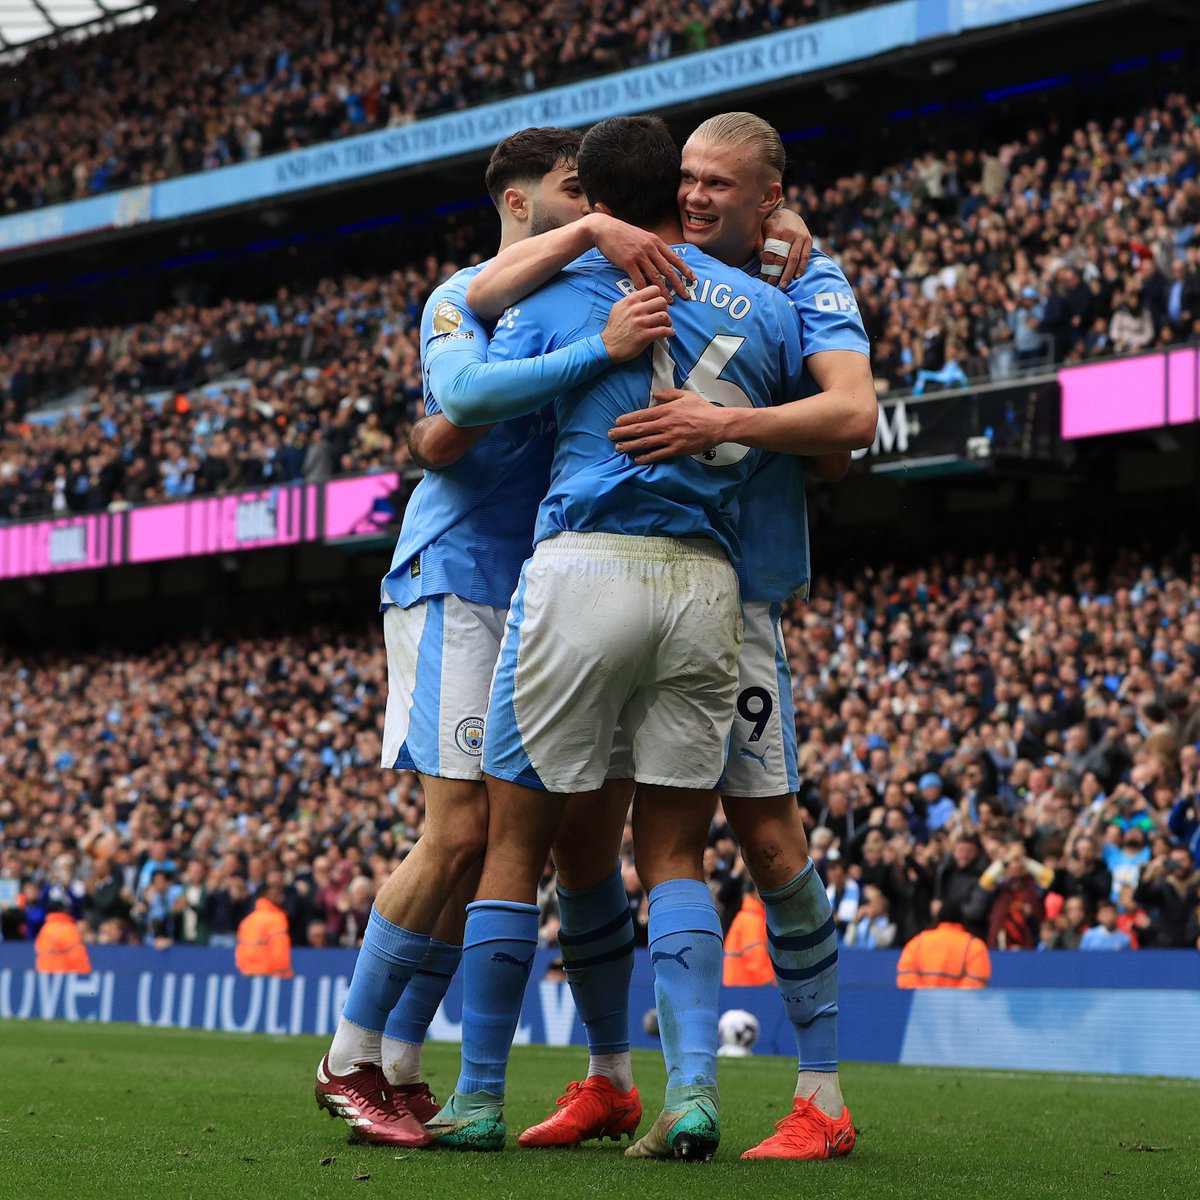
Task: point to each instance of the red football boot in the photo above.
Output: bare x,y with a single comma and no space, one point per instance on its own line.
363,1099
594,1108
806,1132
415,1098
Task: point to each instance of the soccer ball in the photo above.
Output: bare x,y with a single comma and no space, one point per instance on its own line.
737,1031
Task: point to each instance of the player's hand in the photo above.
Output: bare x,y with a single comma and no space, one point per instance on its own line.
679,423
778,265
634,322
645,258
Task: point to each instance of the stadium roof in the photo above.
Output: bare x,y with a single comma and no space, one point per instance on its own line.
24,21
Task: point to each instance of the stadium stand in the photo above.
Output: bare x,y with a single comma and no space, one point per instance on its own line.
1040,249
317,383
1018,732
260,78
967,266
1044,710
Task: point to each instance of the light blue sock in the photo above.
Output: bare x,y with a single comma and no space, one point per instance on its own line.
386,961
685,950
498,948
596,937
409,1021
803,944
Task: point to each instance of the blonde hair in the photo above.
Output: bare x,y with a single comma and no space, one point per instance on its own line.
743,129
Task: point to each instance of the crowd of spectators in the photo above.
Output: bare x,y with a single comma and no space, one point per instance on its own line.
1062,246
316,383
259,78
1056,248
1020,738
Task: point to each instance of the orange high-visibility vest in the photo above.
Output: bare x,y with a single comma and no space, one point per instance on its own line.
264,946
747,962
945,956
58,946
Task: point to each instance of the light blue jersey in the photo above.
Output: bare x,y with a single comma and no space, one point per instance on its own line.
737,342
469,527
773,512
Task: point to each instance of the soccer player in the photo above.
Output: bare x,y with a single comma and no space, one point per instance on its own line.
465,534
731,180
732,171
626,614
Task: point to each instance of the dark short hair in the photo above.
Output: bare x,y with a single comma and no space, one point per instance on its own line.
951,911
528,156
631,166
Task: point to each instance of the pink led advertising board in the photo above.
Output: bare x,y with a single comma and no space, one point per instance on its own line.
358,506
251,520
1146,392
63,544
219,524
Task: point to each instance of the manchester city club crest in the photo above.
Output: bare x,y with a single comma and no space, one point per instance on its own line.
469,736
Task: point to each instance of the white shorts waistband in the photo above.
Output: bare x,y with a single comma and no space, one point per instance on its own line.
634,546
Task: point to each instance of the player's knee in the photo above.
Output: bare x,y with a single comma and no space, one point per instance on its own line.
772,837
464,842
764,824
582,861
458,841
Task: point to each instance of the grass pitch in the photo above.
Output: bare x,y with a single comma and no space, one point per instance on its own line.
119,1111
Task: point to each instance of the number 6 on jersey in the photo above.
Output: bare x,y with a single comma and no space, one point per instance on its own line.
705,380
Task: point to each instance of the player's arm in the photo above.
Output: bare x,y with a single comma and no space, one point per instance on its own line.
528,264
433,443
519,378
838,419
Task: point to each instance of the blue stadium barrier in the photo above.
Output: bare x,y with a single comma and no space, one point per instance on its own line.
1125,1013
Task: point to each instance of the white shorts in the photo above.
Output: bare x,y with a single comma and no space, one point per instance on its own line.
762,746
441,653
608,631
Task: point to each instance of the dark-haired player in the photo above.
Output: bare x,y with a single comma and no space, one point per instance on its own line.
465,534
627,614
732,168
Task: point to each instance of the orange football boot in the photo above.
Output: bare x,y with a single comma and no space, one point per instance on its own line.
594,1108
806,1132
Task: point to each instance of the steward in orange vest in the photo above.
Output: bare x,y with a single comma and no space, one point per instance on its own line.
945,956
264,946
747,962
58,946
